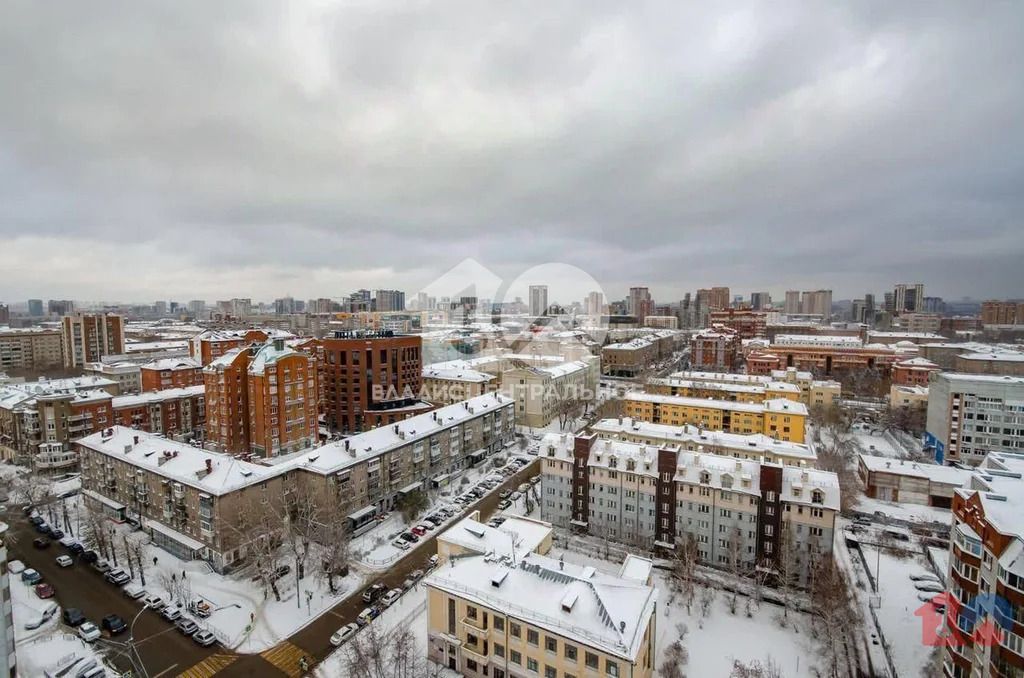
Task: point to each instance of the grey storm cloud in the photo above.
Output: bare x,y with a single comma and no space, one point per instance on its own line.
196,149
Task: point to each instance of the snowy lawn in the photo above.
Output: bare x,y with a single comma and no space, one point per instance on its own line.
915,513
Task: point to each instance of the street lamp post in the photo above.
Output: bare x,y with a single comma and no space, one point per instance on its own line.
131,642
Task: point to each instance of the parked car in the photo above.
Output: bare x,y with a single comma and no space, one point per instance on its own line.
924,577
505,494
153,602
282,571
31,577
88,632
368,615
41,543
416,574
45,615
57,534
390,597
400,544
101,565
36,519
516,496
374,592
524,487
187,626
134,591
408,583
76,547
15,567
73,616
118,576
89,557
114,624
343,634
433,520
170,613
43,528
408,536
44,591
929,586
534,480
204,638
65,561
432,561
419,530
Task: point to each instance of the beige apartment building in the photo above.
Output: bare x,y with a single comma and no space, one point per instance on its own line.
511,612
193,501
739,393
755,446
32,349
812,391
127,375
444,386
740,513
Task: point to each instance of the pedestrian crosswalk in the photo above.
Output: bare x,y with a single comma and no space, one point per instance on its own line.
209,666
286,657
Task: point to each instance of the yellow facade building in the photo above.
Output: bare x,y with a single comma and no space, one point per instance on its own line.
781,419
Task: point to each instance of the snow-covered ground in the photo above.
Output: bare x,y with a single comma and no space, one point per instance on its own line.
236,596
917,513
47,647
374,550
896,602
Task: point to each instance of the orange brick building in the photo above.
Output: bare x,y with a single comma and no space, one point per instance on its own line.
171,373
749,324
372,378
823,360
1002,312
262,400
178,411
715,349
913,372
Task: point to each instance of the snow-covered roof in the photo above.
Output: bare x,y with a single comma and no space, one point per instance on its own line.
636,568
516,537
772,405
179,462
933,472
758,388
593,608
917,364
150,397
1000,477
225,360
691,467
45,386
982,378
909,335
755,443
998,356
458,375
172,364
270,354
341,454
722,377
153,346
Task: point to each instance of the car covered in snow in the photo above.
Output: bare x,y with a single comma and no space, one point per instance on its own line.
390,597
343,634
153,602
118,576
88,632
170,613
204,638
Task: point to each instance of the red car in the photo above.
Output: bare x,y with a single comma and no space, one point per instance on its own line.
419,530
44,591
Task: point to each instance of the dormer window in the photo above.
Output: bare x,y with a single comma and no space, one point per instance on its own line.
705,478
817,497
726,481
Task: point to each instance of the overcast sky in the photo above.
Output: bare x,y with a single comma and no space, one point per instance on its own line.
178,150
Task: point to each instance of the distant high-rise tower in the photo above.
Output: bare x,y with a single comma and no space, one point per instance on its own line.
390,300
719,299
908,297
87,338
595,304
792,306
640,303
538,300
760,301
35,307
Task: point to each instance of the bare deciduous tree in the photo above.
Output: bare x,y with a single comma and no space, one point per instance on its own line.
787,571
392,654
676,655
707,599
256,527
684,571
756,669
839,454
735,569
833,613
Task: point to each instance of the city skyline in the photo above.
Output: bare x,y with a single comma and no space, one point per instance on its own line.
697,147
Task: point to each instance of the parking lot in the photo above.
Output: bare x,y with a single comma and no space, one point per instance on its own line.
160,645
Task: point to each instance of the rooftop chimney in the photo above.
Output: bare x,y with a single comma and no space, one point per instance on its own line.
209,465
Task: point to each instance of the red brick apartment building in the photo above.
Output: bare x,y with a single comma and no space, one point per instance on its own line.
1002,312
262,400
372,378
171,373
212,344
913,371
715,349
749,324
89,337
985,557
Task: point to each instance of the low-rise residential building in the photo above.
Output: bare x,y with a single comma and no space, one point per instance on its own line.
913,371
986,561
782,419
175,412
517,537
908,396
908,482
500,616
663,322
740,513
828,356
444,386
971,415
755,446
743,393
540,391
126,374
170,373
1000,361
632,357
30,349
715,348
194,501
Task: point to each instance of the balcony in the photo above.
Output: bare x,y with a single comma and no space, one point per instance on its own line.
476,624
